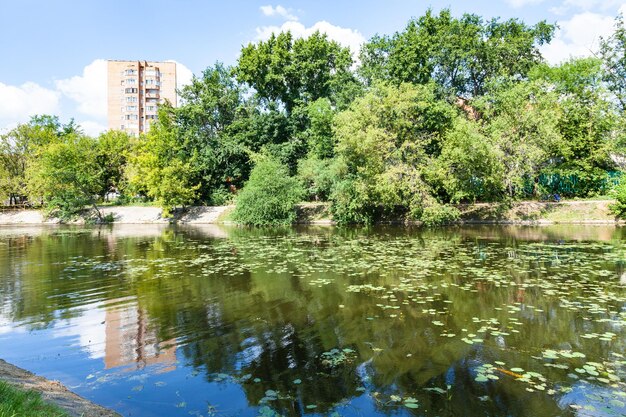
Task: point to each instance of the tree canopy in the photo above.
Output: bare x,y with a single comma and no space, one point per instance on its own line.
451,109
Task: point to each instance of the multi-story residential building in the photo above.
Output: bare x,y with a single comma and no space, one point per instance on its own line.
135,89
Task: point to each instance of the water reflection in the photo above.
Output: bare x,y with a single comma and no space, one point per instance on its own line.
129,341
322,320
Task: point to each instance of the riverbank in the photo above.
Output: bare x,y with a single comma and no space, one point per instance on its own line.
523,212
52,392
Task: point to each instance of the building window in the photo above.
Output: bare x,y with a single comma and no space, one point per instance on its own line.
131,91
131,99
131,108
131,117
131,81
130,72
151,108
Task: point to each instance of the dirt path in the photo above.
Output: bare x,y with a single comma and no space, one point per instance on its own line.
53,391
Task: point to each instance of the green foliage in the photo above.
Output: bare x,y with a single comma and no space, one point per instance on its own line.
439,214
448,110
19,145
460,54
288,71
161,168
319,135
318,176
16,402
66,175
270,195
525,139
386,139
613,54
587,124
114,149
469,167
619,206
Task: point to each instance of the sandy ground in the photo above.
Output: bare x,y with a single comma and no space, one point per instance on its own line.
124,215
53,391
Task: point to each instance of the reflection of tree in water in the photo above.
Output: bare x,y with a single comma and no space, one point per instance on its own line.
276,308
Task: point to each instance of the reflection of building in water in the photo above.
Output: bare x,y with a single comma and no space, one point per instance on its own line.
129,341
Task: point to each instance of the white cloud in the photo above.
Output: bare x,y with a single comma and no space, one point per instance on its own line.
522,3
80,95
183,74
19,103
592,4
578,37
277,11
88,90
345,36
92,127
587,6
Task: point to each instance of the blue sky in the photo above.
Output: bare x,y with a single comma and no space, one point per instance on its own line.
54,51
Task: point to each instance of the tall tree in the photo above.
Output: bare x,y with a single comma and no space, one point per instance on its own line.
613,54
161,167
289,71
20,144
386,139
460,54
66,175
587,123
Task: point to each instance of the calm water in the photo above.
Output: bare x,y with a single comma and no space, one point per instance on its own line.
164,321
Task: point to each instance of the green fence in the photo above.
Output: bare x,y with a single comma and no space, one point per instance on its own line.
572,184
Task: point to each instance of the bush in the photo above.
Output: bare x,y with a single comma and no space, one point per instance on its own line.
619,207
318,177
351,203
269,197
438,214
221,197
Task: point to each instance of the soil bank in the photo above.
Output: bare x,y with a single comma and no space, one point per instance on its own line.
52,391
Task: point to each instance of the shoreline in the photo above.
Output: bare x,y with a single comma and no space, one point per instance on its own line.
523,213
52,392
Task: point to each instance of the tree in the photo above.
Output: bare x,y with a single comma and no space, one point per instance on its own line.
460,54
613,54
269,196
161,167
587,124
385,140
290,71
521,120
66,175
470,167
319,134
20,144
113,151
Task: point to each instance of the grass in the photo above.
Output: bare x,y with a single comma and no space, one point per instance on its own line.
15,402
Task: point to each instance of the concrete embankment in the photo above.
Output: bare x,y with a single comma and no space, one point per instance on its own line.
124,215
53,391
523,212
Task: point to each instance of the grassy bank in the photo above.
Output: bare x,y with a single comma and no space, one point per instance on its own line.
15,402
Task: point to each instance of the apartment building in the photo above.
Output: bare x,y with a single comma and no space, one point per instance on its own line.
135,89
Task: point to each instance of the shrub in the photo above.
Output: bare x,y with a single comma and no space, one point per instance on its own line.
269,197
619,207
318,177
438,214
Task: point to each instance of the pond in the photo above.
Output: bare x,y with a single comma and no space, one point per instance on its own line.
217,321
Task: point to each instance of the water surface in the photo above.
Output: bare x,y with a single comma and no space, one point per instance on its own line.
215,321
